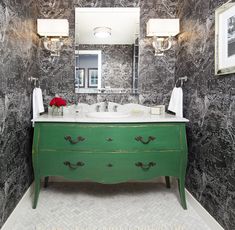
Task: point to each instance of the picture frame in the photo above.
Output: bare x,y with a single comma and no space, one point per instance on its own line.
80,76
225,39
93,78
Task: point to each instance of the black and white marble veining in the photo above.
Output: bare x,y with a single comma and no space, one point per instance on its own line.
18,49
208,100
117,62
209,104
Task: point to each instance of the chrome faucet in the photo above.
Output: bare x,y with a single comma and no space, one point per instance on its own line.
106,105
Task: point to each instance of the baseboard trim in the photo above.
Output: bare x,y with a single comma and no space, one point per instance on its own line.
202,212
27,196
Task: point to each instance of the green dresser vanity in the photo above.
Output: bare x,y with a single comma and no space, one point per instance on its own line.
110,152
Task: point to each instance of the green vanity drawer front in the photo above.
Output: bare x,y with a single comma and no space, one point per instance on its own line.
109,153
109,168
110,137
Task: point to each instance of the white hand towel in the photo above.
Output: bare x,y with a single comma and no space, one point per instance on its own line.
37,102
176,102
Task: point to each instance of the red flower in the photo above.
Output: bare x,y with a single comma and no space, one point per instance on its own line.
58,101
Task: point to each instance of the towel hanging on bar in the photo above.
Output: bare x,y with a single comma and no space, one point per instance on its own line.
176,102
38,106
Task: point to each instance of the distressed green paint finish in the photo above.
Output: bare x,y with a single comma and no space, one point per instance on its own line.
109,167
110,153
123,137
35,150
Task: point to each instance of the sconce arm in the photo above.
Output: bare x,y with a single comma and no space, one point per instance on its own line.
161,44
54,45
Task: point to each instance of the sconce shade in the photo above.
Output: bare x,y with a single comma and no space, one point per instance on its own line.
162,27
53,27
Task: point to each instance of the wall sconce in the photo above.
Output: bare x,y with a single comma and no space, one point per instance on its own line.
52,31
162,31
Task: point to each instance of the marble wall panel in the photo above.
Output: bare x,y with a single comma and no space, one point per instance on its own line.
209,104
208,100
18,49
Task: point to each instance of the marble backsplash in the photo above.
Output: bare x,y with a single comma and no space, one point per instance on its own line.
18,49
209,104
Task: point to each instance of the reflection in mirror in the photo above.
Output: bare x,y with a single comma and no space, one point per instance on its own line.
88,71
111,33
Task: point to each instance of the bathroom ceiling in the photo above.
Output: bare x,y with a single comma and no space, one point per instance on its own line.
124,23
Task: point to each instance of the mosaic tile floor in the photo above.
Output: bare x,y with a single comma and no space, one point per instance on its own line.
92,206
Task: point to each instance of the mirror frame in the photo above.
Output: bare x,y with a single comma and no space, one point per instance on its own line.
135,69
220,45
99,64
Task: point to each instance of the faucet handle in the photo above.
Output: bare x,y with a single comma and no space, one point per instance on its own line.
98,108
115,108
106,105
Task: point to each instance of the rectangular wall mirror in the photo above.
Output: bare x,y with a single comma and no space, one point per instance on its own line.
107,50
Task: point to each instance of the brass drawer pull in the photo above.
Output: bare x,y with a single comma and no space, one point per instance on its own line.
145,166
69,138
141,139
109,139
74,166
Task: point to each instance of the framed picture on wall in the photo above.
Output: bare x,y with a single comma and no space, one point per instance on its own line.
80,76
225,39
92,77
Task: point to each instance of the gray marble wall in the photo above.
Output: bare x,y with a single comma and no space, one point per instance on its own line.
18,48
116,64
155,74
209,104
209,100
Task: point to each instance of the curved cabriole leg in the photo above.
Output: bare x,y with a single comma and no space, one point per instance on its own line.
167,180
46,180
181,188
36,191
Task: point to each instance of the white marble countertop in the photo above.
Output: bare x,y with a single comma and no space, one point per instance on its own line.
133,118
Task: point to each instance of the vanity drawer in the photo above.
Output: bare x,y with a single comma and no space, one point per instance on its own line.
102,138
109,168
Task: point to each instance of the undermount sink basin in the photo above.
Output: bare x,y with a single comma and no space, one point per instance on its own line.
107,114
